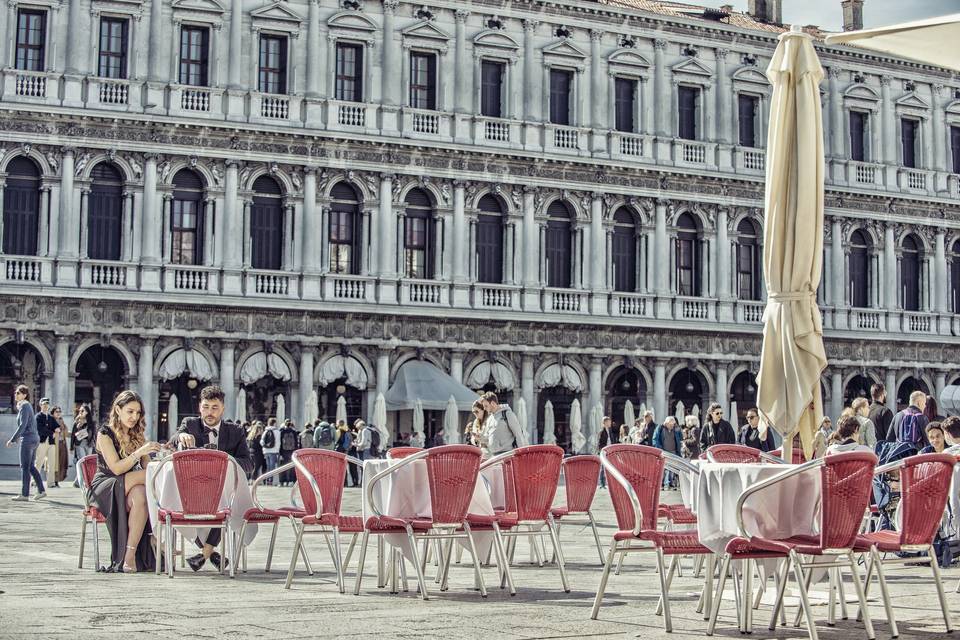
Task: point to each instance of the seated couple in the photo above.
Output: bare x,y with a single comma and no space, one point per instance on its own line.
123,453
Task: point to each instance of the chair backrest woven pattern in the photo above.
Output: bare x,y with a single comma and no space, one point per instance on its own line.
733,453
452,473
581,474
402,452
642,467
328,469
88,467
536,472
924,489
846,488
509,487
200,475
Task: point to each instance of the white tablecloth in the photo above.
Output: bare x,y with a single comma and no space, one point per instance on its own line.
786,509
406,494
170,499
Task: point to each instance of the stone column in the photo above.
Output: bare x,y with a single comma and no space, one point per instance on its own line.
383,370
232,229
838,287
661,249
836,394
155,44
723,391
531,73
662,90
456,365
724,268
311,245
150,246
462,252
837,144
391,70
891,284
888,123
235,62
596,398
597,92
305,385
598,257
891,386
145,386
462,92
939,382
315,52
61,377
531,240
660,389
76,55
526,392
387,258
227,355
68,218
940,292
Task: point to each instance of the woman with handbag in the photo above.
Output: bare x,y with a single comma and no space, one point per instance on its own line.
60,442
82,433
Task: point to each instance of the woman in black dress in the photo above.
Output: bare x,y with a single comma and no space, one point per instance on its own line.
118,487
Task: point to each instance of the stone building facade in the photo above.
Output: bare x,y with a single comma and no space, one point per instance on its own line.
559,201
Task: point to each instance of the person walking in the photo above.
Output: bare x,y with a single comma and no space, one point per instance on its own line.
345,445
750,433
647,428
270,441
667,437
691,438
254,434
60,443
324,436
289,442
909,425
716,430
82,434
879,414
608,436
47,449
821,439
868,431
502,430
26,435
306,436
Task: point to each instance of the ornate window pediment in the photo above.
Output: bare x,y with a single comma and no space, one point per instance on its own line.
752,76
117,6
425,34
211,8
693,68
627,61
912,101
563,53
352,21
861,92
277,17
495,43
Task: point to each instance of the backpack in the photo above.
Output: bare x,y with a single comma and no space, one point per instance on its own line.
908,430
323,436
288,440
374,443
306,440
269,439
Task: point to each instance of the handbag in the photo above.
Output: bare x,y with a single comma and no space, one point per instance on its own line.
81,434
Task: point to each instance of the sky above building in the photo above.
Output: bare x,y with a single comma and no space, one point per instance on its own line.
828,15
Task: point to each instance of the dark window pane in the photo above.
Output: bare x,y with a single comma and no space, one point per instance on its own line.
625,257
105,214
273,64
423,81
490,249
561,82
113,48
747,117
21,208
955,147
908,137
349,80
491,89
194,55
858,130
910,275
625,91
186,218
267,225
31,40
687,258
687,98
418,235
344,230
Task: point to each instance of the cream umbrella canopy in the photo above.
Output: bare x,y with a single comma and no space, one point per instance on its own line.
418,425
577,439
793,357
341,410
281,409
629,415
380,417
933,41
173,409
522,416
549,424
241,412
451,418
313,408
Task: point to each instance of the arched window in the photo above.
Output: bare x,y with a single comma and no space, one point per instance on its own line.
490,240
419,231
955,277
910,273
266,225
345,229
186,218
859,284
105,213
21,208
559,241
748,260
626,251
688,256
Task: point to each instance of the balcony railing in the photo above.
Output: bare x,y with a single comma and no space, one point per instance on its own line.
31,85
693,309
275,107
189,278
867,320
348,287
862,173
351,115
914,322
16,269
748,312
113,91
566,301
270,283
106,275
636,305
913,180
566,138
754,160
424,292
693,152
495,296
195,99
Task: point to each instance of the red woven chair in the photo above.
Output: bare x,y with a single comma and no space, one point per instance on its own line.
452,472
846,489
397,453
637,474
740,454
87,468
530,477
580,475
320,474
924,489
200,474
262,515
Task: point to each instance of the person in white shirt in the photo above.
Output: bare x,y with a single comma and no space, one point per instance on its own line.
502,431
868,433
847,437
270,441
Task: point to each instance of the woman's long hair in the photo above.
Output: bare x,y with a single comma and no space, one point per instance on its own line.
132,439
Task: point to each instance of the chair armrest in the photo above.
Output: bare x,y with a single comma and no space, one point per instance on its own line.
769,482
614,473
268,474
153,484
355,461
678,464
302,468
369,484
239,477
495,460
890,466
766,457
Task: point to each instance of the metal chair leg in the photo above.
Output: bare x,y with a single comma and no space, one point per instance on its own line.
183,555
338,559
935,568
476,560
157,551
832,598
296,552
724,570
802,582
884,592
560,561
674,561
169,540
603,579
861,596
596,536
83,539
781,577
842,594
664,591
619,564
273,540
747,597
363,556
350,547
416,564
502,560
96,545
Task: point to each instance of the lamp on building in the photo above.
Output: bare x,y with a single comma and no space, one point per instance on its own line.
192,384
341,389
751,389
689,388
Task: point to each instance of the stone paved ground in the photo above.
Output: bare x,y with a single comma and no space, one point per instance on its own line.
44,595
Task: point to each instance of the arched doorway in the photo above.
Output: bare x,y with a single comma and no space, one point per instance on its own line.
101,375
342,375
858,387
495,377
265,379
690,387
21,364
186,389
561,398
352,396
743,392
908,386
625,383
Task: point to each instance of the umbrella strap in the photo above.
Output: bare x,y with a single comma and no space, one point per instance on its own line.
791,296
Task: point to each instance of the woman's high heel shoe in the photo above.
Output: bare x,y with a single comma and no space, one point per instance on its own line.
127,568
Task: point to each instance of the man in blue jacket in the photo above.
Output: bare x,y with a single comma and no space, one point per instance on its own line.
667,437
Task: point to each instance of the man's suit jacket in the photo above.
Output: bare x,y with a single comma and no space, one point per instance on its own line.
232,439
46,425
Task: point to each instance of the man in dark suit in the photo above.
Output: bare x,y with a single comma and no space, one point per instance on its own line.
608,435
210,428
